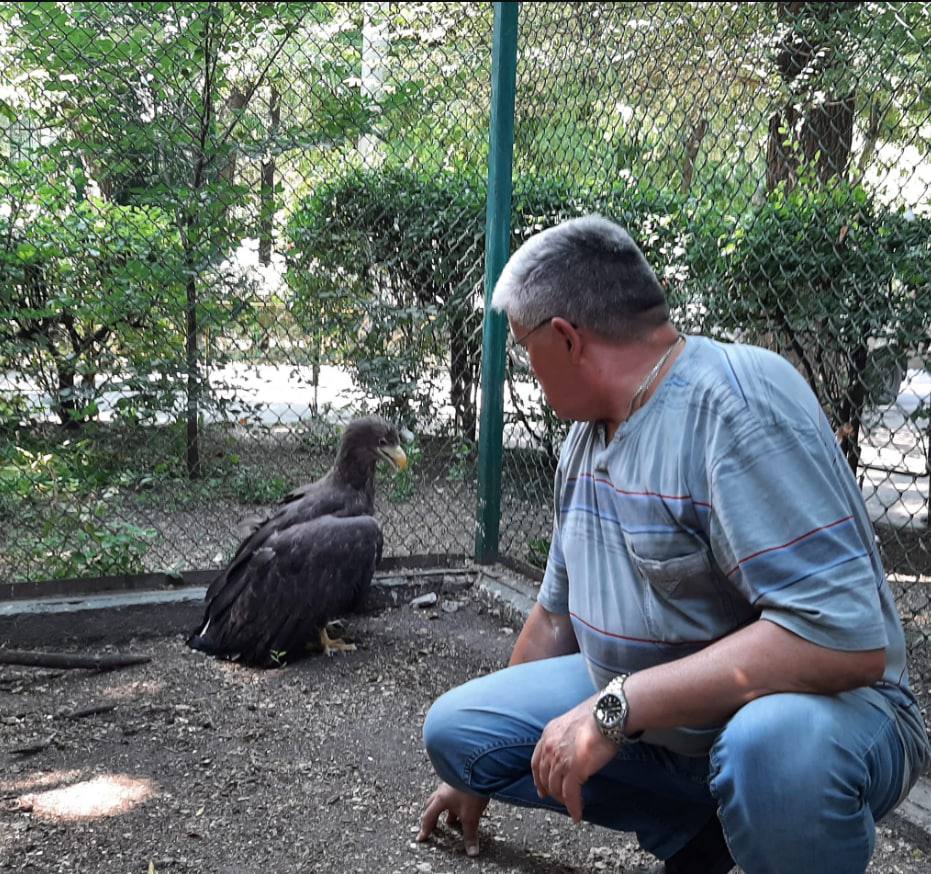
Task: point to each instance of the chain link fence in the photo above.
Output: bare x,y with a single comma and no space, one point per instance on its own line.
227,227
773,160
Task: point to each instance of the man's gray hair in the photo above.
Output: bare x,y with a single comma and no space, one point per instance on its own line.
587,270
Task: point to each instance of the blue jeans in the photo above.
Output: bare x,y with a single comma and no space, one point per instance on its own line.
798,781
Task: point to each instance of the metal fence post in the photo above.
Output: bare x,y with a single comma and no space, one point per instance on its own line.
497,232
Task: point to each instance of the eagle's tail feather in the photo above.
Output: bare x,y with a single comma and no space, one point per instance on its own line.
198,640
209,643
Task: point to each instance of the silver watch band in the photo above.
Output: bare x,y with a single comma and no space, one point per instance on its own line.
611,710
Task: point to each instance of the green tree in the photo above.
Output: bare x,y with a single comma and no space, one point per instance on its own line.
137,100
82,287
838,284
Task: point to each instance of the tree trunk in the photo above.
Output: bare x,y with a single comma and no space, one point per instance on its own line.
822,132
193,381
852,405
267,190
66,405
828,133
192,241
692,145
461,374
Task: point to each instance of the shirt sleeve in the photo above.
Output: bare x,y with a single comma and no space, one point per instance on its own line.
789,529
554,590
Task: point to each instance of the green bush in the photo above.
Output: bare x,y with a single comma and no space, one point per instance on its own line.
385,268
83,542
832,280
89,288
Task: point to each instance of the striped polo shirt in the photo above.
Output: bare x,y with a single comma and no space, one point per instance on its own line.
725,499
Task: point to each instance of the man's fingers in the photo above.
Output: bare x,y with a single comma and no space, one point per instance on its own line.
572,797
461,810
548,782
430,816
539,765
535,768
470,834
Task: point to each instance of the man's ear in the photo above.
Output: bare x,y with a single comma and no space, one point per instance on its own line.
569,334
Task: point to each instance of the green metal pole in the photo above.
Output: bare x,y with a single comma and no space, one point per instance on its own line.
497,233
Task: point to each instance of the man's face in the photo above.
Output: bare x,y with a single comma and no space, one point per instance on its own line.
549,352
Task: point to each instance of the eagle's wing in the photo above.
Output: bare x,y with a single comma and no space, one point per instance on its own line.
275,599
316,500
248,525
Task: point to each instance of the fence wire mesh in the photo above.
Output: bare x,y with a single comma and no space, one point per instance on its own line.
772,160
225,227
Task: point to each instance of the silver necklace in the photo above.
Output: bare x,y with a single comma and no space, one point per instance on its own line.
650,378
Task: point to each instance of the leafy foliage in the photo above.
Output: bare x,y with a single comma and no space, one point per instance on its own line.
385,269
89,287
835,282
60,500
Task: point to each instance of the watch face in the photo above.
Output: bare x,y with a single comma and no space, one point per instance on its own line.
610,710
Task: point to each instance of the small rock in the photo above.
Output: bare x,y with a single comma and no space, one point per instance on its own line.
427,600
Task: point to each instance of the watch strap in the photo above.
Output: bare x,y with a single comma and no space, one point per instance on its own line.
615,732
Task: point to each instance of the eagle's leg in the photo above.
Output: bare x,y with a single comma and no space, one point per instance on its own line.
331,645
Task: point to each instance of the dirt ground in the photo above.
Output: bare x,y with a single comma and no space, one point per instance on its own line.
186,764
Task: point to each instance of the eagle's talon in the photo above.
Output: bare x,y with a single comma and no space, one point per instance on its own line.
334,644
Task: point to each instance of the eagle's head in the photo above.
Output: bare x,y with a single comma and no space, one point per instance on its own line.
365,441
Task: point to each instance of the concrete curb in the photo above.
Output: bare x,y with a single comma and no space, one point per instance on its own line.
103,601
912,818
509,591
389,589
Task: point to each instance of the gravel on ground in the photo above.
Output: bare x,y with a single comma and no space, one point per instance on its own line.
187,764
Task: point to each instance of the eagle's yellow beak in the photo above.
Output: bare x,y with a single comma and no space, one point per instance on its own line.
396,455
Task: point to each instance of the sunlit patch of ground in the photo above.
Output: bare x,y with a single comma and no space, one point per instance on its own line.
104,795
133,691
38,780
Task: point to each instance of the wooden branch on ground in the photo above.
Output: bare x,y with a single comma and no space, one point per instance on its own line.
35,747
81,712
34,659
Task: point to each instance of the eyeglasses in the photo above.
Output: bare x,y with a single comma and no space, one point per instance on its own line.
517,352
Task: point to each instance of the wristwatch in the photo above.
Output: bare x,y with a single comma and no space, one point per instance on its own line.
611,710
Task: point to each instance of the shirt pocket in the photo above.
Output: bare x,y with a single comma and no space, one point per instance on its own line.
686,597
668,574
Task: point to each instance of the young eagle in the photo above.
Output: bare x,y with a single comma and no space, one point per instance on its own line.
307,562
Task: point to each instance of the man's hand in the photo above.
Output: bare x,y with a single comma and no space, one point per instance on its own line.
462,811
569,751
